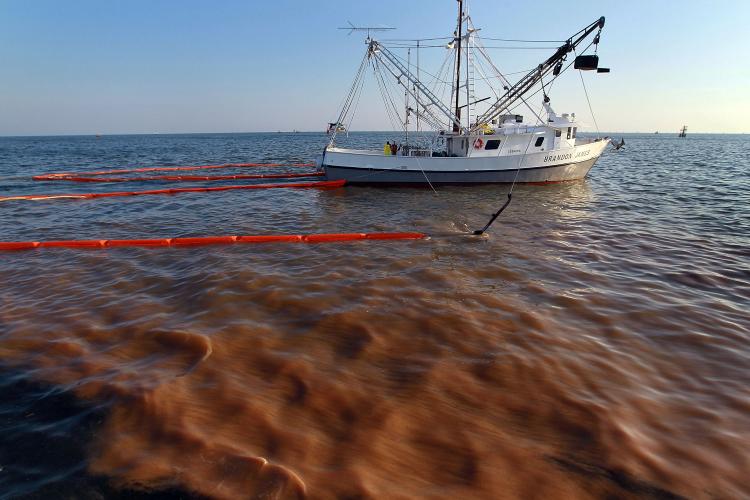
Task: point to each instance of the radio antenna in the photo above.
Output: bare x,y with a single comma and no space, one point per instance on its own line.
352,28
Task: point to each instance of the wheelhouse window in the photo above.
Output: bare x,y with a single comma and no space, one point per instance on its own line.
539,141
574,132
569,130
558,133
492,144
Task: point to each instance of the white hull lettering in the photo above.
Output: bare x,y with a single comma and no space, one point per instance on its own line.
566,156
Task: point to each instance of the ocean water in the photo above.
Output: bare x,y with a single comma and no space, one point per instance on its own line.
595,344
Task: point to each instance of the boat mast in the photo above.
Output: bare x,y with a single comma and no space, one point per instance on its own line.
456,123
469,70
406,97
415,86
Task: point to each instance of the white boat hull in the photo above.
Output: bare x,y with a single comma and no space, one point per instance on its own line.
372,167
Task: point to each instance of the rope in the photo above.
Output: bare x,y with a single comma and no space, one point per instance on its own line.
479,232
448,38
349,99
480,47
356,106
510,193
502,47
425,175
580,73
427,115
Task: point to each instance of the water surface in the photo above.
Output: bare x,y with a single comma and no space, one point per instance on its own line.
594,344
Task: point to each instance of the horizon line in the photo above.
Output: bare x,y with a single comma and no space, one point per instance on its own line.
658,132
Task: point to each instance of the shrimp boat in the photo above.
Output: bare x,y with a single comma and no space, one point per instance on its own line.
471,138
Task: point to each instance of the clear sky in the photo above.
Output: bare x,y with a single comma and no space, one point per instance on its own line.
142,66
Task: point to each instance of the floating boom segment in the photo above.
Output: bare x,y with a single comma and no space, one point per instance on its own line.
399,71
526,83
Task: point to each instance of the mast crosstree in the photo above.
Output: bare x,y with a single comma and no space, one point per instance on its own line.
457,86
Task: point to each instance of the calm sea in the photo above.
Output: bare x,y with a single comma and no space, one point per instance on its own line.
595,344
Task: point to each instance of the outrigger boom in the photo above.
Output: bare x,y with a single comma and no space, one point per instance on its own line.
554,63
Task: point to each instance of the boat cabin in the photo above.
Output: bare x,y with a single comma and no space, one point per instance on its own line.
512,138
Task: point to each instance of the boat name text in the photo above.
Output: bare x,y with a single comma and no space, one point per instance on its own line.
566,156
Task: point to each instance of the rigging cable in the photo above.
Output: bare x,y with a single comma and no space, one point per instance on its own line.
448,38
483,76
389,99
425,175
480,232
555,77
428,113
446,68
437,79
356,105
501,76
394,119
349,98
501,47
591,109
521,41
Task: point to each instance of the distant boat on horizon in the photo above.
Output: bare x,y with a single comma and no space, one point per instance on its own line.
683,131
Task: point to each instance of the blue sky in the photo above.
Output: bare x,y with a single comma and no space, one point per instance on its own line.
141,66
